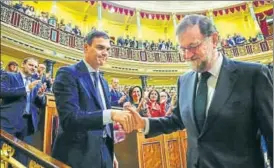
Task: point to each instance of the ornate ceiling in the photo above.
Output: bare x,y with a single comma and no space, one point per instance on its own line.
177,6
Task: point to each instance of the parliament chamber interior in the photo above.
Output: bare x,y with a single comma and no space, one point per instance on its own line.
144,58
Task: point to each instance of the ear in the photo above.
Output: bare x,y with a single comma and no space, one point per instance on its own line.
86,48
215,39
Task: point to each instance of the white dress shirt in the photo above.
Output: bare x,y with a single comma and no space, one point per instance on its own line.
211,84
106,112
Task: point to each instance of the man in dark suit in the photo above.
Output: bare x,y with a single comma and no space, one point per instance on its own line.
21,98
222,103
116,97
85,138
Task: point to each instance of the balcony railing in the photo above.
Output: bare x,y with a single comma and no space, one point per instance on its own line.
34,26
36,158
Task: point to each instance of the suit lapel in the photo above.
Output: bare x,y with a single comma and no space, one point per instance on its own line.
224,87
105,90
191,91
85,79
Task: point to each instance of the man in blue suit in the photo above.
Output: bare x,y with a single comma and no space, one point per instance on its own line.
117,98
21,98
222,103
85,137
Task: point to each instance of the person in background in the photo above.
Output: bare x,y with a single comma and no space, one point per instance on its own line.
137,100
117,98
164,99
12,67
21,97
30,11
155,108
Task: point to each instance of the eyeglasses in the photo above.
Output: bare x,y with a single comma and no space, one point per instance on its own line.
192,49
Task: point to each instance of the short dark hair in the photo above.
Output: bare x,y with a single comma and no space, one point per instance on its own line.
95,34
29,58
205,24
12,63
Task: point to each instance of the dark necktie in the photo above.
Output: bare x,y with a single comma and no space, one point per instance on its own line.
95,75
96,81
201,100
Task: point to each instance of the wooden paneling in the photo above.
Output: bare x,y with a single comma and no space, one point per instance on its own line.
51,124
164,151
173,150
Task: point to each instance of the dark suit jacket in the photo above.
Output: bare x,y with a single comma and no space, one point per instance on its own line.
115,98
13,94
79,140
241,105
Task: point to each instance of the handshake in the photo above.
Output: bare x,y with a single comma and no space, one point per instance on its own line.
130,119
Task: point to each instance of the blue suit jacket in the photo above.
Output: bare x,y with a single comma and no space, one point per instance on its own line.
13,94
241,105
79,140
115,98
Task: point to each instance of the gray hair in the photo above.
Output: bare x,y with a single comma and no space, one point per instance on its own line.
205,24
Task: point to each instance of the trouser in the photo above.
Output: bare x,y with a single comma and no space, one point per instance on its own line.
107,152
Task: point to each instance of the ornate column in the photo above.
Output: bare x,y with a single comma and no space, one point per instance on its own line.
139,28
99,16
49,67
143,81
210,16
54,7
174,22
252,13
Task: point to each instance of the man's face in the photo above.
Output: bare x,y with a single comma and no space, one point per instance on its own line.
97,53
30,67
115,84
197,49
13,68
41,68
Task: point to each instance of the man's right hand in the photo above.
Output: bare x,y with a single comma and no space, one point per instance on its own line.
139,121
33,84
125,118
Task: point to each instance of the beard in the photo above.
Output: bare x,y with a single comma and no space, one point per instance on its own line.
198,65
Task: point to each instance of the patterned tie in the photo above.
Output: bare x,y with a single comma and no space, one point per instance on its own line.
200,103
95,75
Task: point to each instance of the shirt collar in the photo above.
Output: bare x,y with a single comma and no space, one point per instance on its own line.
90,69
216,67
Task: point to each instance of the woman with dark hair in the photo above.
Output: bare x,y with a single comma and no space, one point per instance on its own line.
155,108
137,100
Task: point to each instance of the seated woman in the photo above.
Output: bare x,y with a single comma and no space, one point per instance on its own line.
155,108
137,100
